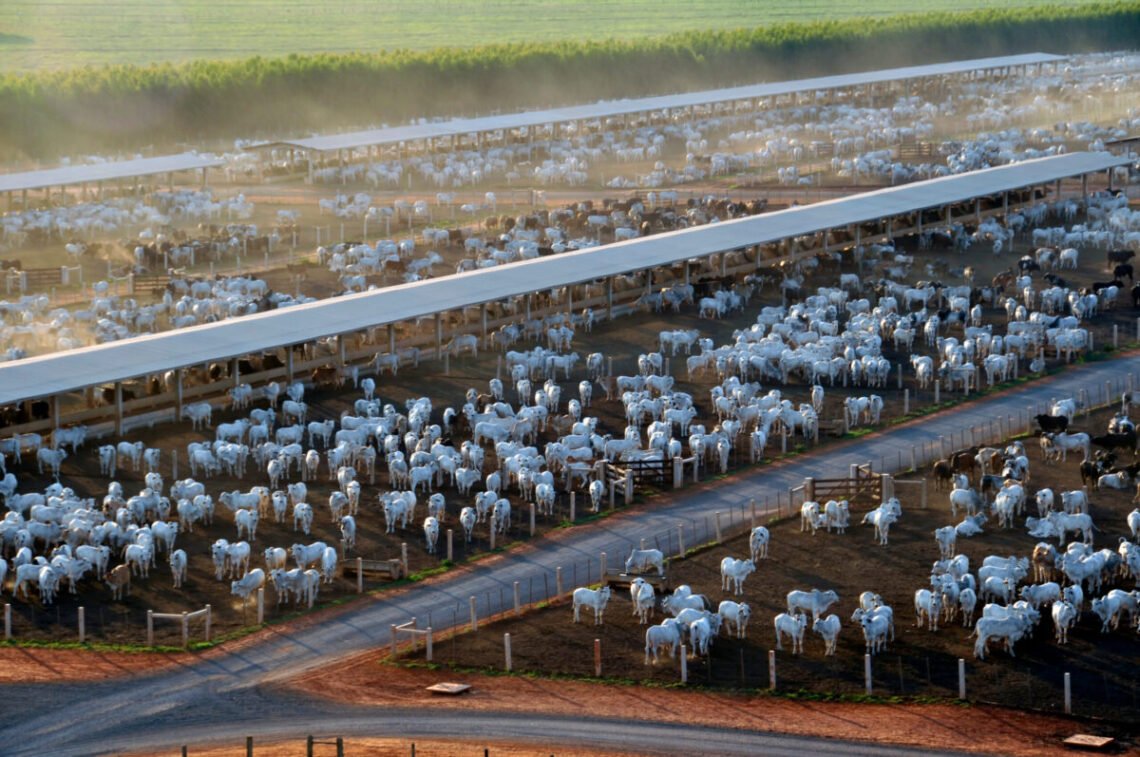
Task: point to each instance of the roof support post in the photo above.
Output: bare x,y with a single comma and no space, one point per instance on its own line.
55,412
391,339
978,209
1085,190
341,349
235,373
919,224
610,298
1057,188
178,394
1005,205
289,363
118,408
1108,173
439,336
483,318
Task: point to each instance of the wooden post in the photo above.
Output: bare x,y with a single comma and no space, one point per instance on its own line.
309,746
558,581
450,550
518,605
249,746
684,664
507,650
603,564
340,743
82,625
209,621
772,669
867,672
598,658
961,678
404,557
1068,694
474,619
150,628
260,606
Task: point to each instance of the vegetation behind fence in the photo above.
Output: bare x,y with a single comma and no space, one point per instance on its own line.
115,107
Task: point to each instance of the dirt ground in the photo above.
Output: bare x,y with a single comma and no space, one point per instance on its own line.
918,662
995,730
124,622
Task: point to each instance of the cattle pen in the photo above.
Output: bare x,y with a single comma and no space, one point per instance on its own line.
68,380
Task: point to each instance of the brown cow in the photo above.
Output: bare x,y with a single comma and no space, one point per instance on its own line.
119,577
327,375
965,462
942,473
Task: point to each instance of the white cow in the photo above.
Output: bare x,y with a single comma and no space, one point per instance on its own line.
792,626
595,600
735,571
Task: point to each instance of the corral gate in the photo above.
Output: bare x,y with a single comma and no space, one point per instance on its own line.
862,486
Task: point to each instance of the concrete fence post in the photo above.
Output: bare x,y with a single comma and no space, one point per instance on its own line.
598,658
752,508
82,625
450,545
558,581
603,565
507,650
716,523
1068,694
867,672
518,605
772,669
404,557
906,401
260,606
681,539
185,629
684,664
531,519
961,678
150,628
573,506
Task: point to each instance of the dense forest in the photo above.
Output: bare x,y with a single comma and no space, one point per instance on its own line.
127,107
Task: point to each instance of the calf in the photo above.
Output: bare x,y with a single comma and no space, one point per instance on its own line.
118,579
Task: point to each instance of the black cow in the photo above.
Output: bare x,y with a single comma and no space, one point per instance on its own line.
1121,270
1099,285
1116,441
1136,296
1052,424
1027,264
1119,256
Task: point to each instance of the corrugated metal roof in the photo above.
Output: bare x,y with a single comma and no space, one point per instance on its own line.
87,174
460,126
67,371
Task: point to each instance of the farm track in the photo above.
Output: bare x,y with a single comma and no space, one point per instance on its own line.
230,691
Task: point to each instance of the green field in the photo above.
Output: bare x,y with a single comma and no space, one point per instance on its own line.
52,34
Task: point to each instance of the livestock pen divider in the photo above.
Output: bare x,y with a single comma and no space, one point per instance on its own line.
184,618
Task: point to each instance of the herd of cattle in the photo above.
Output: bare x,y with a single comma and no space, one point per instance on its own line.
1014,591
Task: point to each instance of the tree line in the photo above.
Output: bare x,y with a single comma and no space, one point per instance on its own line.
107,108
